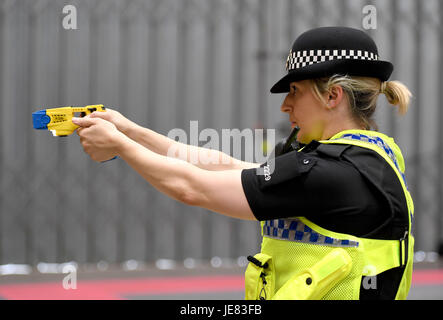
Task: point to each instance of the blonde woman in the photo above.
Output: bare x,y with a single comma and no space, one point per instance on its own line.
335,212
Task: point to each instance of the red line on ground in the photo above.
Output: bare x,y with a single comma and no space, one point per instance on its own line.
427,277
111,289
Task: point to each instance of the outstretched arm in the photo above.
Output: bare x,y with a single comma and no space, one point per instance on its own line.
219,191
163,145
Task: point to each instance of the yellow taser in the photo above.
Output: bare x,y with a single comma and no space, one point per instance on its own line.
59,120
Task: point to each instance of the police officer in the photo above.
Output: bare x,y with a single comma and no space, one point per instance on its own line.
335,210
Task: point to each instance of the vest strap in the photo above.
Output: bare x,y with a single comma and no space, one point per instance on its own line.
382,255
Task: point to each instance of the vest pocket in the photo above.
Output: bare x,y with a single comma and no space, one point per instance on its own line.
314,282
259,277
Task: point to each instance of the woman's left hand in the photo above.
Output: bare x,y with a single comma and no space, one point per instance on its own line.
99,138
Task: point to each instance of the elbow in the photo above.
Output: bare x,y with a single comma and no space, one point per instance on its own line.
187,195
189,198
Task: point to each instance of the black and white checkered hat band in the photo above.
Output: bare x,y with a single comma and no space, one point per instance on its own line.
304,58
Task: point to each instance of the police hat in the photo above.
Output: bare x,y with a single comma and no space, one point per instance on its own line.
326,51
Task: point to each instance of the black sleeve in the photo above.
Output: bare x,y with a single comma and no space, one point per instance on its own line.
304,184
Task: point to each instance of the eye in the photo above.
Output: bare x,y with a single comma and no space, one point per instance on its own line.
292,89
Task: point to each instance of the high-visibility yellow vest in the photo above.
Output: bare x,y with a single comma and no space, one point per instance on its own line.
300,260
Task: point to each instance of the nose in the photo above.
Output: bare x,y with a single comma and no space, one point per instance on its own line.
286,105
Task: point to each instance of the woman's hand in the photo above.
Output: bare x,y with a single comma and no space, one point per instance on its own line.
122,123
99,138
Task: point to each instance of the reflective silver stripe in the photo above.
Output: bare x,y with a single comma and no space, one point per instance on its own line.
295,230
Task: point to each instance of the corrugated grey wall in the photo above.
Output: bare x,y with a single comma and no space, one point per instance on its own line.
164,63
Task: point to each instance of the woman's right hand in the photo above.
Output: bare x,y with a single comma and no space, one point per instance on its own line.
122,123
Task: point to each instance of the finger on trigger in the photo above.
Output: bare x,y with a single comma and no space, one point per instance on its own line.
98,115
83,122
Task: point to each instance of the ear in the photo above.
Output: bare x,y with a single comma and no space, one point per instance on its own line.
335,97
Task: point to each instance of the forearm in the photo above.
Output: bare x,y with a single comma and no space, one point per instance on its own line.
203,158
166,175
187,183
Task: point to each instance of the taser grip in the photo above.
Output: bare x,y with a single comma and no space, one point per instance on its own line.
59,120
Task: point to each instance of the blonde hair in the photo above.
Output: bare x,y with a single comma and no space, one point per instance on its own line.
362,93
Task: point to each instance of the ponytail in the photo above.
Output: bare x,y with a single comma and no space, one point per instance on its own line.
397,94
